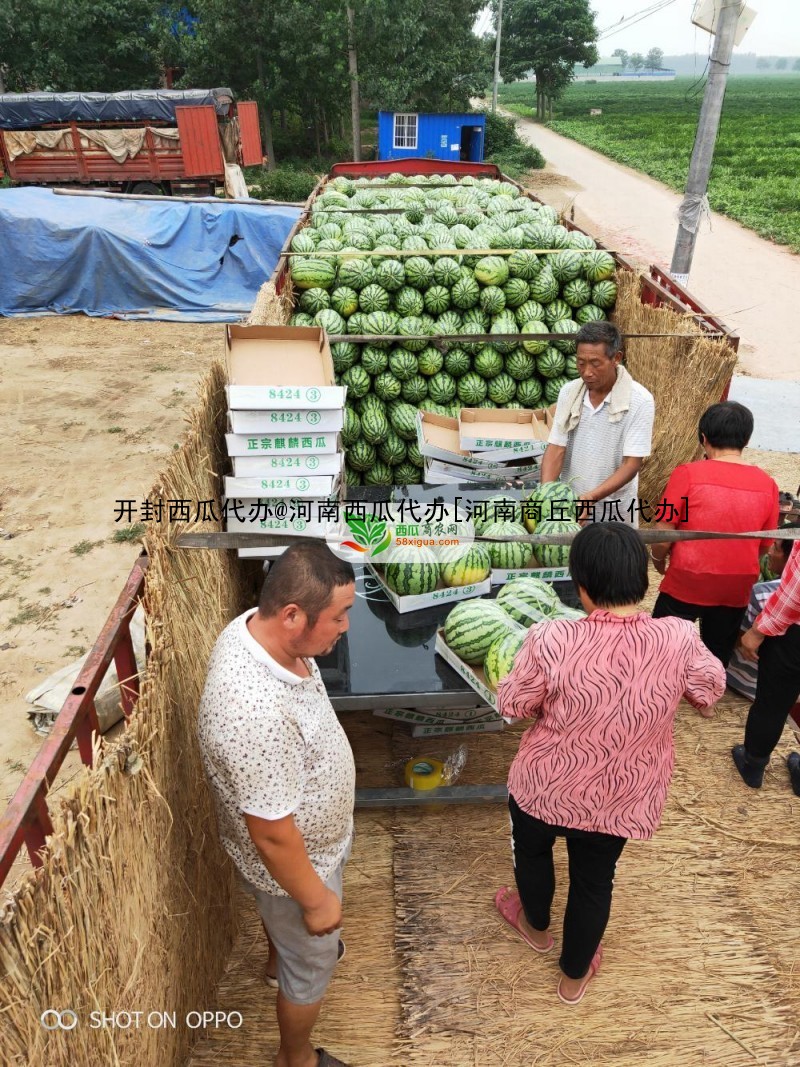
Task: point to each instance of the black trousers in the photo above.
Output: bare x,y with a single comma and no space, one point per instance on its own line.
777,689
592,862
719,627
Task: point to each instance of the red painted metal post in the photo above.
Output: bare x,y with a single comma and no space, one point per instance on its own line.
127,673
26,819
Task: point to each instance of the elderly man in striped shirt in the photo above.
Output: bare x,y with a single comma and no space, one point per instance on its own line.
774,641
602,429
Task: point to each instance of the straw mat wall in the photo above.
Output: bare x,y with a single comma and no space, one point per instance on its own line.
132,909
685,375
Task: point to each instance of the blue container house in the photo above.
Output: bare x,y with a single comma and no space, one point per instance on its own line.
402,135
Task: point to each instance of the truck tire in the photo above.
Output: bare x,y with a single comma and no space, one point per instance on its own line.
147,189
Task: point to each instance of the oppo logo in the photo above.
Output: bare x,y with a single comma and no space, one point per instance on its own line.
58,1020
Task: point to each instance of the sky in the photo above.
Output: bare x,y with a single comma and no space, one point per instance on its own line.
775,32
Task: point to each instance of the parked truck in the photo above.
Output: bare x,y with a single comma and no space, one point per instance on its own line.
147,141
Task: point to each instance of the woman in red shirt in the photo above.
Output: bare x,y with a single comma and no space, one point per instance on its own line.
711,580
595,766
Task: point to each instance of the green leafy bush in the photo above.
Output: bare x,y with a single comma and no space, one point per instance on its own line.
286,182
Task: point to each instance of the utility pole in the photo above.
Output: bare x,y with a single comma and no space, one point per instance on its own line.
703,152
355,103
497,55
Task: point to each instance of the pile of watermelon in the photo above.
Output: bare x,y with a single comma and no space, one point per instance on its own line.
412,571
490,633
434,294
554,502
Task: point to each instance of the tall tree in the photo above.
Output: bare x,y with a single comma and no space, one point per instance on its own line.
781,63
636,61
548,37
80,46
654,59
623,56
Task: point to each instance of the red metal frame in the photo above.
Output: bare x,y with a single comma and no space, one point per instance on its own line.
26,820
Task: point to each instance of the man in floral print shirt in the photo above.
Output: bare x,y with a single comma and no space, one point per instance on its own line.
282,774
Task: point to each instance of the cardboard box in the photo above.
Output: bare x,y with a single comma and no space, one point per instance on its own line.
474,676
280,368
276,422
267,466
498,474
291,443
281,485
438,438
445,595
546,574
504,433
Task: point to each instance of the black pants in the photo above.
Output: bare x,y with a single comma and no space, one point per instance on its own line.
592,862
777,689
719,627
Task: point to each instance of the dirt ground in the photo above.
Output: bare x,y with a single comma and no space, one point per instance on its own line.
90,410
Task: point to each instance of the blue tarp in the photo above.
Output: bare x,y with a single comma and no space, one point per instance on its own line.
136,259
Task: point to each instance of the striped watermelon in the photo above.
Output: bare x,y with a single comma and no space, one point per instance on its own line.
419,272
313,300
414,454
429,361
566,265
550,363
496,509
449,323
505,323
379,474
403,418
516,292
355,273
466,292
530,311
330,321
488,362
457,362
386,386
555,310
604,294
577,292
305,242
392,449
544,287
437,300
502,388
529,393
520,365
493,299
473,626
491,270
344,300
351,430
408,301
555,555
345,355
507,555
535,346
403,364
301,319
499,660
442,388
313,273
598,266
589,313
374,298
414,389
357,380
528,600
379,323
406,474
390,274
524,264
362,456
411,571
374,360
446,271
553,500
465,565
409,328
472,389
567,326
553,386
374,425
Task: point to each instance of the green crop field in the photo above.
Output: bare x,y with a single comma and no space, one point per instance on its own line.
651,126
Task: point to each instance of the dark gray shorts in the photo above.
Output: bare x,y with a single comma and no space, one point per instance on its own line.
305,963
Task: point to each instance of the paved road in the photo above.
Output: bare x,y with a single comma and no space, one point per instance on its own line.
753,285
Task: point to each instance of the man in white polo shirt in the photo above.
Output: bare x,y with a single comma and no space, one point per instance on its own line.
602,429
283,778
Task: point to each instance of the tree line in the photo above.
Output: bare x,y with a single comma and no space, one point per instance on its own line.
301,62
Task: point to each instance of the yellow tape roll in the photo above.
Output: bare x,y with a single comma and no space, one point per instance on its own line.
424,774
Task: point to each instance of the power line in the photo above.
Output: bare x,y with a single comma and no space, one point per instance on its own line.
632,21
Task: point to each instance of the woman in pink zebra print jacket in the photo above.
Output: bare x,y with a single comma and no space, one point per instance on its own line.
596,764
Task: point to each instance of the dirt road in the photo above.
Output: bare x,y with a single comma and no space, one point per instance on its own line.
752,284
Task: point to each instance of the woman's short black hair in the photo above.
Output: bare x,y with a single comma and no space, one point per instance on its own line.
609,561
726,425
